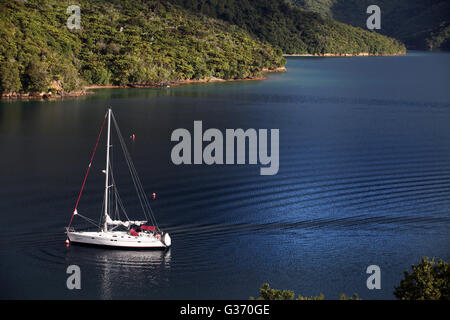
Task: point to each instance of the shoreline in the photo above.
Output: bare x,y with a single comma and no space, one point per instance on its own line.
186,81
87,89
168,84
361,54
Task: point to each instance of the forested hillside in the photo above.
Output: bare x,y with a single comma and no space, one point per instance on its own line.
294,30
419,24
121,42
150,42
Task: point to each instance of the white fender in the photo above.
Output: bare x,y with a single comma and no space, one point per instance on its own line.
167,240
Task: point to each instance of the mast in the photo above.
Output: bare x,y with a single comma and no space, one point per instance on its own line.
105,226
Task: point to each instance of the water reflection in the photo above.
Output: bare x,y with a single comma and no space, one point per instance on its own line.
122,270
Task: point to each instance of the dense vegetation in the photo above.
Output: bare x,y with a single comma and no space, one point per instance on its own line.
149,42
294,30
121,42
429,280
417,23
268,293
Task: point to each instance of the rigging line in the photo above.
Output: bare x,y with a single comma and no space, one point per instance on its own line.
141,196
122,206
151,214
113,212
110,195
129,162
116,192
88,219
141,192
145,199
121,203
138,186
116,206
129,167
118,199
87,171
135,176
101,215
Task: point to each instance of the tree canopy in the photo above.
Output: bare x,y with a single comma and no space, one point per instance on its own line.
150,42
419,24
293,29
429,280
268,293
121,42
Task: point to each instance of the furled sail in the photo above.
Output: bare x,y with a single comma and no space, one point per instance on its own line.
111,222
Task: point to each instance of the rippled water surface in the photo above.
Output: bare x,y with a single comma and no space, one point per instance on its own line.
364,179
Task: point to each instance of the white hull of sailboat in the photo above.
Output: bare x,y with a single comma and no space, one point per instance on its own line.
120,240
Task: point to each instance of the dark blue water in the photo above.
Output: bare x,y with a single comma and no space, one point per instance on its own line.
364,179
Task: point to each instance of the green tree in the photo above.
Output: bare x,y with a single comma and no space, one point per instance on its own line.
36,78
429,280
10,76
419,24
354,297
268,293
157,41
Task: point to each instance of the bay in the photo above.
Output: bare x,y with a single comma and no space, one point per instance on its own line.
364,179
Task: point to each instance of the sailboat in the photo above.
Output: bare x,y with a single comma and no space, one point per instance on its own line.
120,231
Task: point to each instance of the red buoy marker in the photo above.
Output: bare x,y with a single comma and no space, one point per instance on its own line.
153,195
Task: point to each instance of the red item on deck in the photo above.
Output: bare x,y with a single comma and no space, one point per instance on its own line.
148,228
134,233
